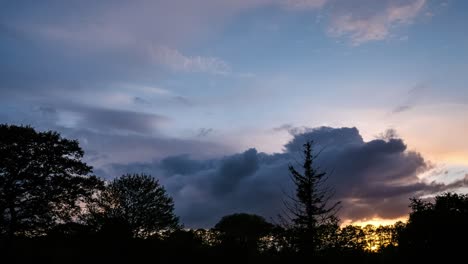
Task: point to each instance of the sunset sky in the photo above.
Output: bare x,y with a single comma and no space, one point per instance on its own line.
215,97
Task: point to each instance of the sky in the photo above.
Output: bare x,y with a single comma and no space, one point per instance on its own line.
214,98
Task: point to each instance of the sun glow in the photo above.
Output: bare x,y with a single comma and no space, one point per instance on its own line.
377,232
376,221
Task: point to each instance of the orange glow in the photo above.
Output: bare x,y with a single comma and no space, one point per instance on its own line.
376,221
456,158
378,232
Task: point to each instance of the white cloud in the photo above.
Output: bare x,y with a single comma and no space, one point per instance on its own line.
177,61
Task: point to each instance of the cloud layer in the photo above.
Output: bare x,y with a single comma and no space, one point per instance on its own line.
372,179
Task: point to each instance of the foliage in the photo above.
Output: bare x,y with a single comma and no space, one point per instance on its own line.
136,202
437,227
242,230
351,238
43,181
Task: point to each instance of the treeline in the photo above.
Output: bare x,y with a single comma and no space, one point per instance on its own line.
53,210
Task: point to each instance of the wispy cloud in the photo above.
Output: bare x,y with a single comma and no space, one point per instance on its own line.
111,120
401,108
132,27
366,20
303,4
177,61
203,132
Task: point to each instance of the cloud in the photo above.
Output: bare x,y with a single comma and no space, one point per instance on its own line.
111,24
183,165
129,29
138,150
372,179
176,61
183,100
401,108
304,4
120,120
423,94
111,136
284,127
203,132
102,120
233,170
52,47
367,20
140,101
325,137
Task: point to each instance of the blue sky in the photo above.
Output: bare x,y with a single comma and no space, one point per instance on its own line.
140,81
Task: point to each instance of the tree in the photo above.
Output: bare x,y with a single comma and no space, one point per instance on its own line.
243,230
437,227
43,181
313,219
351,238
136,201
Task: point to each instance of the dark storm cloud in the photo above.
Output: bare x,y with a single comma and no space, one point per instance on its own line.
183,165
324,138
233,170
374,178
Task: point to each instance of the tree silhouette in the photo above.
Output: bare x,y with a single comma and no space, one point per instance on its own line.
438,227
242,230
136,202
351,238
43,181
313,220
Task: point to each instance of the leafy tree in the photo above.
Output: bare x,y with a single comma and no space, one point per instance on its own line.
43,181
136,201
243,230
351,238
387,236
437,227
313,219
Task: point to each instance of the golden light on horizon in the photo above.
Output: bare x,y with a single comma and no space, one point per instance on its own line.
377,232
376,221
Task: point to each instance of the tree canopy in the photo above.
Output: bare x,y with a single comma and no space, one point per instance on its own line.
243,229
136,201
43,180
437,226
